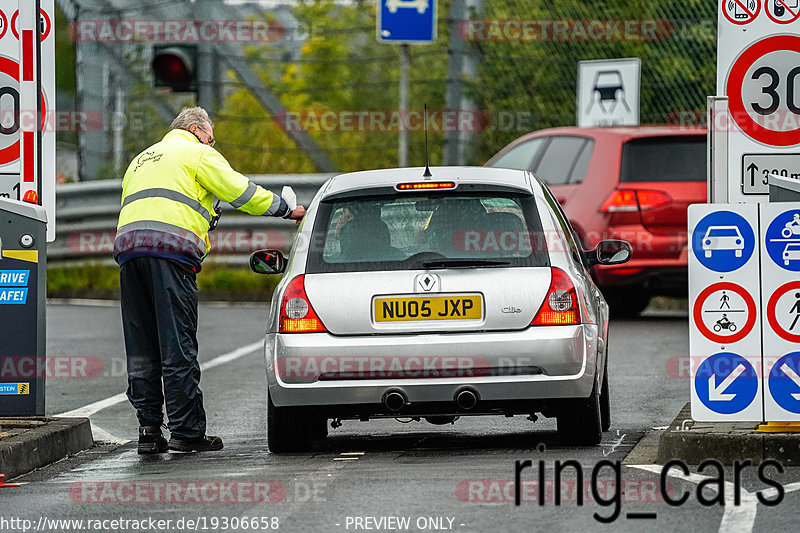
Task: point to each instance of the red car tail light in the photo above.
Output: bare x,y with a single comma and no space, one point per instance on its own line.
560,308
297,314
628,200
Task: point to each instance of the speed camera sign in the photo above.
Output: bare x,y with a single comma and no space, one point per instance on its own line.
763,90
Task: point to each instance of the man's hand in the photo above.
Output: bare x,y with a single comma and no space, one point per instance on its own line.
298,214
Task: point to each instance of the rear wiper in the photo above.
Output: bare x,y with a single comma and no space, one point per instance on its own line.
463,263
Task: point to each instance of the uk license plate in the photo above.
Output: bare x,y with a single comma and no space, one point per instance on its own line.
460,307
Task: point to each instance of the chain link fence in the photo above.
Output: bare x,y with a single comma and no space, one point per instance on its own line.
497,70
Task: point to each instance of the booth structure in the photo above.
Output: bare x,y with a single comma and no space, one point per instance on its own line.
23,291
783,189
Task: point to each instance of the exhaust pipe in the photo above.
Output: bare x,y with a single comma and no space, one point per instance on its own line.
394,400
466,399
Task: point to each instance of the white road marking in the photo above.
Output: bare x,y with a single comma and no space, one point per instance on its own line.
736,519
614,445
103,436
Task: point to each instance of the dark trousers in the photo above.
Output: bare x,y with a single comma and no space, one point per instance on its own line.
159,319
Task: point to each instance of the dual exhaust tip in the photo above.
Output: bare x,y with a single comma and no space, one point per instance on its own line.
465,399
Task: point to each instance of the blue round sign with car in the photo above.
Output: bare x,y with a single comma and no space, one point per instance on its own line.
723,241
783,240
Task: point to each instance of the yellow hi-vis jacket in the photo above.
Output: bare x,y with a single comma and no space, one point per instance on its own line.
168,195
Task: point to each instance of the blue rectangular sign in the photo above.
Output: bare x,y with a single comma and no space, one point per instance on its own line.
407,21
14,388
13,296
14,278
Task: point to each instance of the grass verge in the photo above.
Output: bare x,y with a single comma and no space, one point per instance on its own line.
101,281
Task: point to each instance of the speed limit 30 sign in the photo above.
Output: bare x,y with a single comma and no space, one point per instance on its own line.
763,89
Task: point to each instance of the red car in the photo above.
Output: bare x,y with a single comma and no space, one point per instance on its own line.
630,183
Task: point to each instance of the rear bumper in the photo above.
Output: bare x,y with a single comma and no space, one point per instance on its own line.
537,363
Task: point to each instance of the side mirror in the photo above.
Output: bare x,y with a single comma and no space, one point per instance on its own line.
611,252
267,262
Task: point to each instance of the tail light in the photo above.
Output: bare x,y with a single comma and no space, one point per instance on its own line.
624,205
560,308
297,314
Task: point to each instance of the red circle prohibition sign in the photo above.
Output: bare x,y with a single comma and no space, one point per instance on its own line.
47,24
698,313
782,3
772,317
5,24
733,89
9,154
741,3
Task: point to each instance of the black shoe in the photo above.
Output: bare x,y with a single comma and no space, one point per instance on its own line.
201,444
151,440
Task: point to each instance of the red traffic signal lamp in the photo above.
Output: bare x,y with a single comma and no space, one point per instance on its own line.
175,67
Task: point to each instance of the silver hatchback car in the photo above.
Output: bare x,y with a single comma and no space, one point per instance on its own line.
435,296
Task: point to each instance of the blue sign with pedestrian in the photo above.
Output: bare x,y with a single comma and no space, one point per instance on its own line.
723,241
784,382
726,383
407,21
783,240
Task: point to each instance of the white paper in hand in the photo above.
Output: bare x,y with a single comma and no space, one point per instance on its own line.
290,197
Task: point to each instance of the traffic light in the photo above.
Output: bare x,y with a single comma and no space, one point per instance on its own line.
175,67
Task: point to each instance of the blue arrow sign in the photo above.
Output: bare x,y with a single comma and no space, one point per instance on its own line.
723,241
407,21
783,240
784,382
726,383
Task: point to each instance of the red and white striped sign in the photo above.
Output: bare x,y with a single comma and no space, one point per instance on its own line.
27,93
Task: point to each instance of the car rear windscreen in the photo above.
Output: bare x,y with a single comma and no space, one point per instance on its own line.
422,231
664,159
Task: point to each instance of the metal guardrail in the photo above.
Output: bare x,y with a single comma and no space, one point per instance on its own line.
87,213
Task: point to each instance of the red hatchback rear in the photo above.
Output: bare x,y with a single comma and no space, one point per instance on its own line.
623,183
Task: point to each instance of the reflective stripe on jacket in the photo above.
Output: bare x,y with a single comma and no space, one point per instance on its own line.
168,195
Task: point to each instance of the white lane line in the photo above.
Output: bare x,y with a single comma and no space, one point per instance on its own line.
736,519
92,408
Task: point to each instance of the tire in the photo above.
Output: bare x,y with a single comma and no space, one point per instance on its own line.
717,327
293,429
605,402
626,303
579,421
732,328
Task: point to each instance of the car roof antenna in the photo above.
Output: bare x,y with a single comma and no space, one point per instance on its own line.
427,173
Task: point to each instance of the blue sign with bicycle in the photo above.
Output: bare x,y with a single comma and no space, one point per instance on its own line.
407,21
783,240
784,382
726,383
723,241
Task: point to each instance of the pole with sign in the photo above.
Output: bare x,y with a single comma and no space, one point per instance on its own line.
758,70
406,22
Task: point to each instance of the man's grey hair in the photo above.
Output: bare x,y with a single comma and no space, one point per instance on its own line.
189,116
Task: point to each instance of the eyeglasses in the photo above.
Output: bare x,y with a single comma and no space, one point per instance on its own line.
211,141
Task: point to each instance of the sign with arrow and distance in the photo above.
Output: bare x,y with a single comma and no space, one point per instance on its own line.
756,168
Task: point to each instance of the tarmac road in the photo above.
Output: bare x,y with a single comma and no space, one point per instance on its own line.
457,477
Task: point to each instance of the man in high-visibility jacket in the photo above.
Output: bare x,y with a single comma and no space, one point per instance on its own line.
162,237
